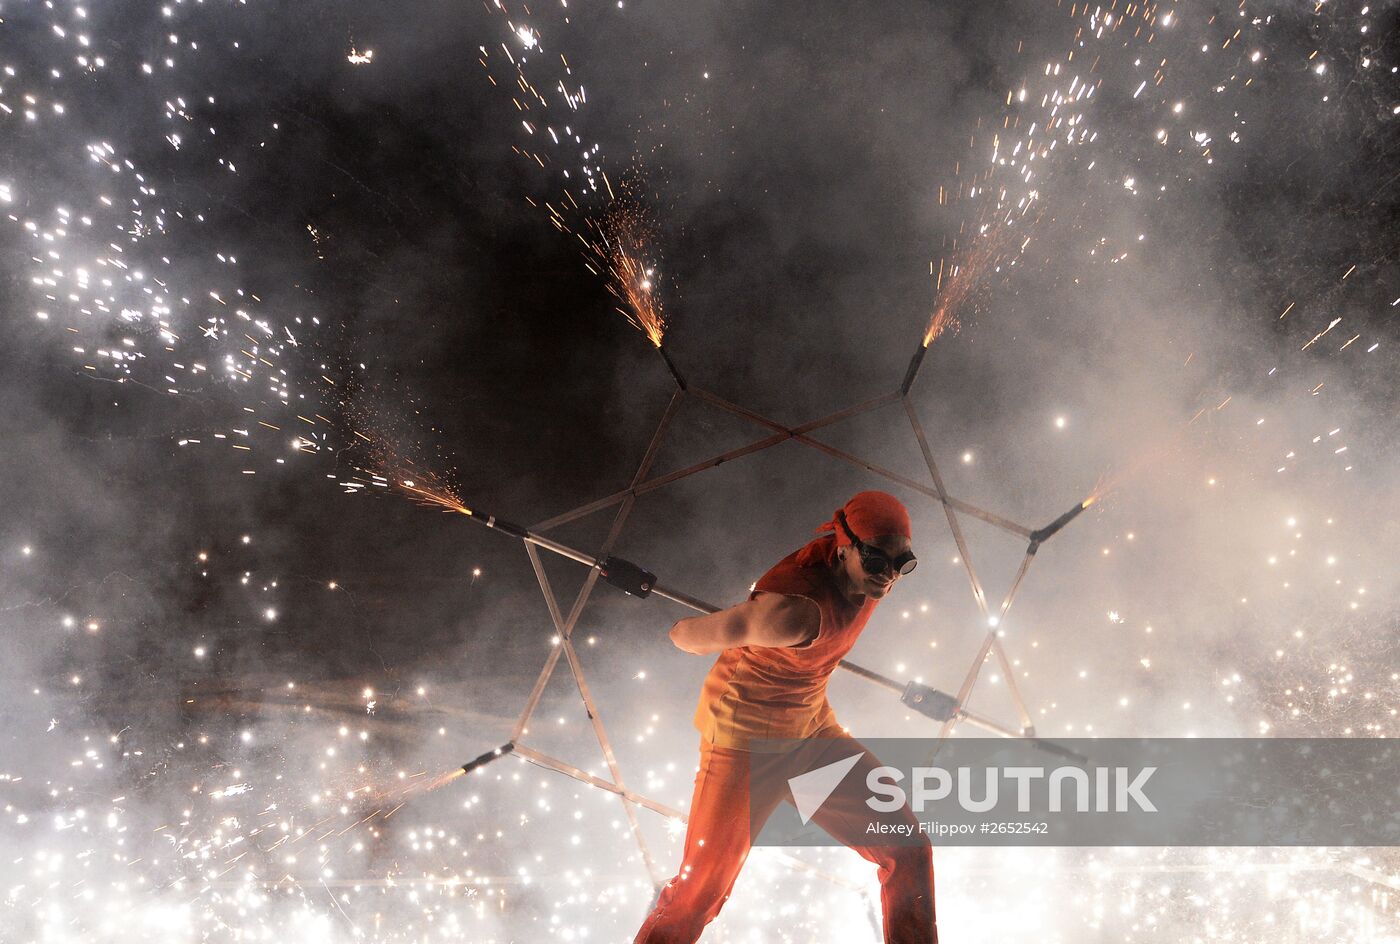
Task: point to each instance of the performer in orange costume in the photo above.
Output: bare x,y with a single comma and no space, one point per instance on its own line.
777,652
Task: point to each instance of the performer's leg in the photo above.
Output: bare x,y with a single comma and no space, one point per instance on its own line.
906,871
716,845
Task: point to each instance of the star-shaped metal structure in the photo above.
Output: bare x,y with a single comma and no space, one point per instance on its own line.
948,709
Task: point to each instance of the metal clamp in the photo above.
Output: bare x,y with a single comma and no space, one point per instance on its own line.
627,576
940,706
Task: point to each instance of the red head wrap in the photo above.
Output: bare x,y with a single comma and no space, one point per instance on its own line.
870,515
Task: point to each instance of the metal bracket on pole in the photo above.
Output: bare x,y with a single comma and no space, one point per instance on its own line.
627,576
930,702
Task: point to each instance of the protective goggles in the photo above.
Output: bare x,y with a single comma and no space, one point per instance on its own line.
875,561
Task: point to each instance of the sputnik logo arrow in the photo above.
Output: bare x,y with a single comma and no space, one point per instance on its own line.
810,790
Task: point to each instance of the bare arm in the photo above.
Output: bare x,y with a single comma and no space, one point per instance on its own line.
770,620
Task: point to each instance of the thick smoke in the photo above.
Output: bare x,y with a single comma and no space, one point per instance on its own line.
211,677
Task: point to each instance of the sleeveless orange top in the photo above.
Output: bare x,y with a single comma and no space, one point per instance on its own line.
755,692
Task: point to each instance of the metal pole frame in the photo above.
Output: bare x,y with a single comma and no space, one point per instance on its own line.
641,485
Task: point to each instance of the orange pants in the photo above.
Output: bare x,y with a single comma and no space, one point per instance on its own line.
717,841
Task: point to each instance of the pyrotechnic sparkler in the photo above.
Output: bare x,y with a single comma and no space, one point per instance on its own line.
1041,535
624,250
965,277
621,241
631,277
621,244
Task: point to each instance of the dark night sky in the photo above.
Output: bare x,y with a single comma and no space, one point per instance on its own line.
796,193
796,197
